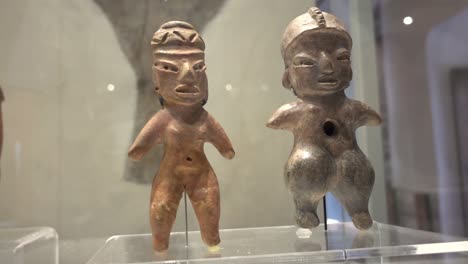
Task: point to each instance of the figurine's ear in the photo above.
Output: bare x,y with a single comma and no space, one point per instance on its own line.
286,81
155,80
203,102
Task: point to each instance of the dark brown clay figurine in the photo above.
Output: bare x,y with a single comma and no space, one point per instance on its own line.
316,50
183,126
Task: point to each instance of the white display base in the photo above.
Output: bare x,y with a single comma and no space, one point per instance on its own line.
38,245
285,244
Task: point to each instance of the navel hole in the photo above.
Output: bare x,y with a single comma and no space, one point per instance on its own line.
329,128
189,159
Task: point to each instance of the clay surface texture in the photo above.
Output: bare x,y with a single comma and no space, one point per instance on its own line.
316,50
183,126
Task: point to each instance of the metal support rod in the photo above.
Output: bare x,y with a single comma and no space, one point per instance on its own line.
325,212
186,220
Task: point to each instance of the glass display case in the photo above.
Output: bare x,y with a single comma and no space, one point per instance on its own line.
29,245
285,244
77,85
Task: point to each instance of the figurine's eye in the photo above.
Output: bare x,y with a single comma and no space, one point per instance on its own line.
200,66
303,62
343,56
166,67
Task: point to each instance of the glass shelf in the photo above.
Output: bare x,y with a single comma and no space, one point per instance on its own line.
38,245
284,244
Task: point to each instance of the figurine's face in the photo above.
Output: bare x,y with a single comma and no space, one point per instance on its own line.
320,63
180,76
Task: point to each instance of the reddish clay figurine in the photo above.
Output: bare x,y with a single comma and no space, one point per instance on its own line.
316,50
183,126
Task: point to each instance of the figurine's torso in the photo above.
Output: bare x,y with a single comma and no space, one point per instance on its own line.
183,146
325,148
329,128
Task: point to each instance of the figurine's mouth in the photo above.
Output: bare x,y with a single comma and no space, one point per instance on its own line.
328,81
187,90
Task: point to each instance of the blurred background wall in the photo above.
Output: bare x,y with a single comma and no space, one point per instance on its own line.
419,47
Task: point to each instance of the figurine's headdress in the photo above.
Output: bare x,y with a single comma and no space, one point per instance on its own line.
176,35
315,20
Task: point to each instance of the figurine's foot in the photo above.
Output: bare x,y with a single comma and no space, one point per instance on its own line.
161,255
307,219
160,248
213,249
362,221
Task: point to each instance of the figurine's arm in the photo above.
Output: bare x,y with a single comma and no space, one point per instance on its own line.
151,134
219,139
284,117
368,116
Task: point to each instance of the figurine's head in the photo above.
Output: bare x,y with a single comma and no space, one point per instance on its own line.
316,50
179,64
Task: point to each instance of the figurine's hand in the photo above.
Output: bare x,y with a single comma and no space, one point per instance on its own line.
135,153
276,120
271,123
374,120
229,154
285,117
365,115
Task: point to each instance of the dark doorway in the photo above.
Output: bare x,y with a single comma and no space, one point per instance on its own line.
459,80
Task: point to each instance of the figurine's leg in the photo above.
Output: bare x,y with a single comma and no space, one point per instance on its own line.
354,187
165,198
307,174
204,195
306,211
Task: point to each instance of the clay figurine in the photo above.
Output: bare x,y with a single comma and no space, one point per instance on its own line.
325,157
183,126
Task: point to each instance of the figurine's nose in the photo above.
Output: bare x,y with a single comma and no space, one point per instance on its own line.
187,74
326,64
